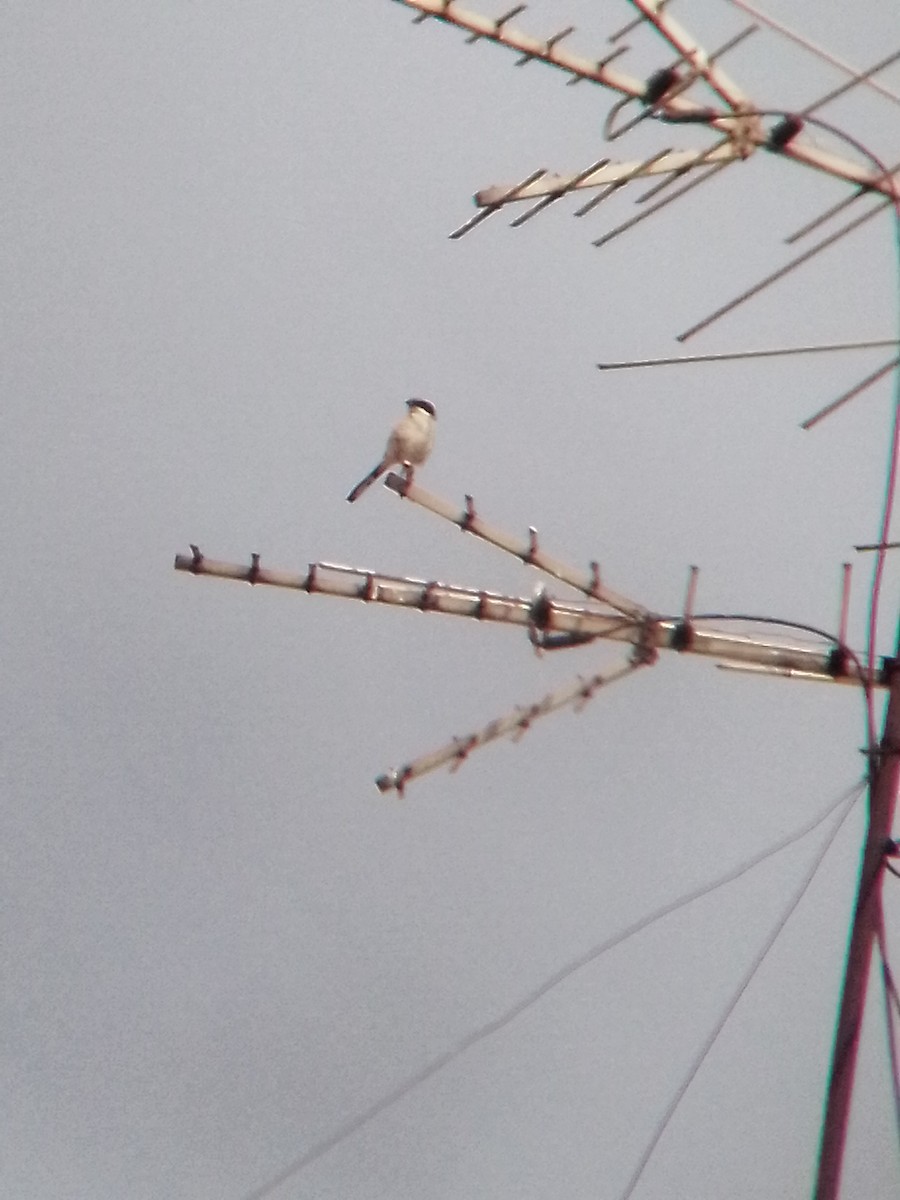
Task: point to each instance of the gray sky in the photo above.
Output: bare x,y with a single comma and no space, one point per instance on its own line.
226,265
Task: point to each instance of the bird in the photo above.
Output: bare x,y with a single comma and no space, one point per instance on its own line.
409,444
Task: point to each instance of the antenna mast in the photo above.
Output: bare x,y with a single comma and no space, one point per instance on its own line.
868,919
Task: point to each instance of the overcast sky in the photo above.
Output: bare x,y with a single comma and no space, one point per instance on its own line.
226,265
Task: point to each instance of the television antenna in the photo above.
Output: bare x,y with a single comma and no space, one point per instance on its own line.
739,129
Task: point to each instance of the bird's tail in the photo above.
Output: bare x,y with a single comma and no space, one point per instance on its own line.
367,482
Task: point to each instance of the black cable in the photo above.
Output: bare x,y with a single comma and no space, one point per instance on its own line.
753,618
353,1124
802,626
700,1057
865,676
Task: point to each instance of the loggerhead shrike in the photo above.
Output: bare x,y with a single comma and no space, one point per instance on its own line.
409,444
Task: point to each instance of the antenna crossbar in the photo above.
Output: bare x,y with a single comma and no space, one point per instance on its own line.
527,551
514,724
548,51
674,162
648,635
551,185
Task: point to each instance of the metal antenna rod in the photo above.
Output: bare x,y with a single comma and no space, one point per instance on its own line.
529,552
703,157
688,49
825,55
515,723
554,196
651,633
606,174
641,168
836,208
779,274
530,48
742,354
849,395
635,24
671,163
738,122
681,84
851,83
846,577
654,208
598,65
488,210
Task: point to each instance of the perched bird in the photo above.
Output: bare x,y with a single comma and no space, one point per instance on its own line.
409,444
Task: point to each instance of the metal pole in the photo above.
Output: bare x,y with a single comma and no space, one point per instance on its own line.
885,776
